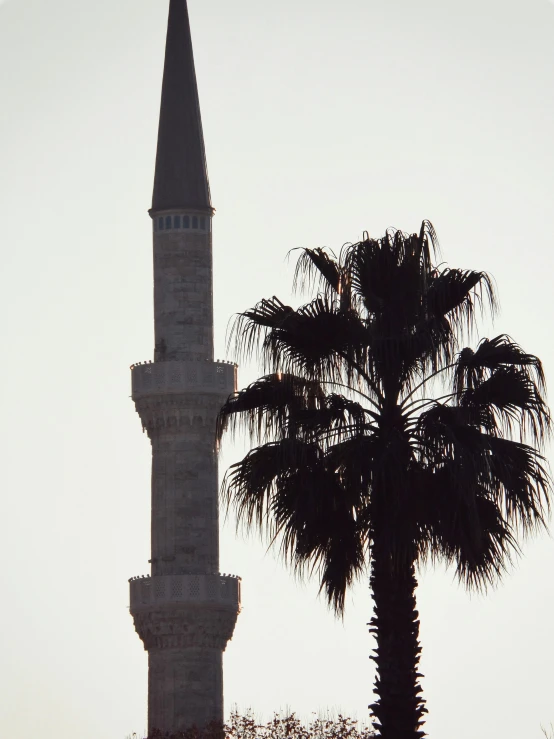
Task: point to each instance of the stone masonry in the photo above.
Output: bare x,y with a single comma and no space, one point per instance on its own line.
185,611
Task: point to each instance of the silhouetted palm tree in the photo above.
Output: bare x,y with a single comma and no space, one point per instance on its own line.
358,464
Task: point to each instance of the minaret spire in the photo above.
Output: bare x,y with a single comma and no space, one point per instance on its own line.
181,178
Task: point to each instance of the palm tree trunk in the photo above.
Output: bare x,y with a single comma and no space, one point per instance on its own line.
399,708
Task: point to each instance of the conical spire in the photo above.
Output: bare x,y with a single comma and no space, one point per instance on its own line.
181,179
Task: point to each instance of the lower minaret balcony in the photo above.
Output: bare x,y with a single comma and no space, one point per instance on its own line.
184,611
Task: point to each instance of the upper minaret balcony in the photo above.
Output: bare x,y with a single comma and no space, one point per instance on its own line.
174,395
175,378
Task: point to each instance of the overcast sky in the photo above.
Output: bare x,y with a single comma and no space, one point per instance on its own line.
322,120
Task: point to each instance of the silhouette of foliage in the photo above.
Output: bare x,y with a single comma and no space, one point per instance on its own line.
359,464
287,727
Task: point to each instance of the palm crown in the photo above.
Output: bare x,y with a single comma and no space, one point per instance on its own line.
356,463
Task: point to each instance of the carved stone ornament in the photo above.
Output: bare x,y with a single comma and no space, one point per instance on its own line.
170,414
181,627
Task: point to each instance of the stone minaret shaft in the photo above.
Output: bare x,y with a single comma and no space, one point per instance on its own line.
185,612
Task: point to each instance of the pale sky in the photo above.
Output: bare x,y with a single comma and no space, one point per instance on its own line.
322,120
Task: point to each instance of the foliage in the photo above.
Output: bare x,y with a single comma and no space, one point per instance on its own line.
357,463
288,727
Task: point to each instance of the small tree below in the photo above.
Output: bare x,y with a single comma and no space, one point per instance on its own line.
289,727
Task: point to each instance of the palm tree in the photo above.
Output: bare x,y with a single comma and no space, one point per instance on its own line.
358,466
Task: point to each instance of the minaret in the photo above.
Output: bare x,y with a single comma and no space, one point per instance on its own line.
185,611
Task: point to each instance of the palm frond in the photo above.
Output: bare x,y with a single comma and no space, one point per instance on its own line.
250,486
516,400
316,523
519,483
389,272
316,268
265,406
491,354
356,460
318,340
454,293
428,236
412,355
344,561
463,464
292,496
336,419
480,543
444,431
250,327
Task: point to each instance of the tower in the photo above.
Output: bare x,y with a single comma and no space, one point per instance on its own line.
185,611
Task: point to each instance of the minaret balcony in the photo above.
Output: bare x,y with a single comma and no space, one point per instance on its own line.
221,591
178,377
